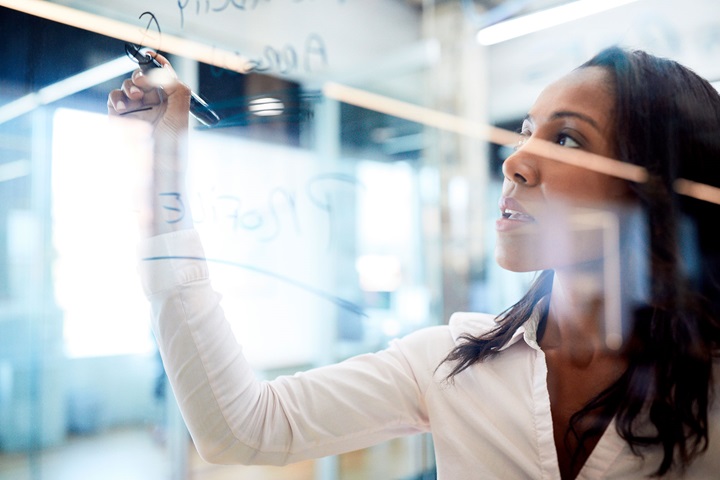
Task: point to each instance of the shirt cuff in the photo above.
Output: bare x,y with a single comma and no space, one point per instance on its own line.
171,259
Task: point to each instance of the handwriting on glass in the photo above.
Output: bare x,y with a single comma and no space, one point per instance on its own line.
279,212
214,6
288,59
312,56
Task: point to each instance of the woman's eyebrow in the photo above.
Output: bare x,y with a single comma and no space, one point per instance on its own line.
565,114
580,116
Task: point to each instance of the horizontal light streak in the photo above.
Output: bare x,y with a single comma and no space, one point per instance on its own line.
16,169
131,33
416,113
697,190
453,123
66,87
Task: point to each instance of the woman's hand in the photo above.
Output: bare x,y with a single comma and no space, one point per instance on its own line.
158,97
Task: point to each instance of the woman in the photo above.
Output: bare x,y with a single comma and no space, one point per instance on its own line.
536,392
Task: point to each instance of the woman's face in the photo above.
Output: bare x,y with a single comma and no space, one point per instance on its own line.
546,206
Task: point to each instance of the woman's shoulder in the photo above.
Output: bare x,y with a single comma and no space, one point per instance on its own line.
460,323
470,323
427,348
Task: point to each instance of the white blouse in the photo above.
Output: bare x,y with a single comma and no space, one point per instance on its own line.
492,422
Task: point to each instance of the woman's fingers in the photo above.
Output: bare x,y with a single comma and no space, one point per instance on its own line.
156,95
131,89
116,103
136,94
174,92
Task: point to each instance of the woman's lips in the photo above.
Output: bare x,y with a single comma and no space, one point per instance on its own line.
513,215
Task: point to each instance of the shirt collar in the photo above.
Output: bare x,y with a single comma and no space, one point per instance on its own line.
528,331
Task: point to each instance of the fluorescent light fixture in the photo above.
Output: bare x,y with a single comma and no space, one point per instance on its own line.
63,88
534,22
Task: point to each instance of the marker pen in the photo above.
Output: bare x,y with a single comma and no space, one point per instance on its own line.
198,107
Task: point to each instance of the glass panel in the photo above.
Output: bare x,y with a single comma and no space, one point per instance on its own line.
346,197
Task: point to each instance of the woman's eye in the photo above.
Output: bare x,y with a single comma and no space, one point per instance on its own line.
524,136
567,141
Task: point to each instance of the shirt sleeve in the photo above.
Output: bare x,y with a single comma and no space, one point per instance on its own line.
235,418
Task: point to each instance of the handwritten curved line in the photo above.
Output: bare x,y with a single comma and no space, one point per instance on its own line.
340,302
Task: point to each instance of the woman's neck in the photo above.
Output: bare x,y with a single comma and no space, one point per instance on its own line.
575,315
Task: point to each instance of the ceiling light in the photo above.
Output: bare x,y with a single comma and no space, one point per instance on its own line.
266,107
534,22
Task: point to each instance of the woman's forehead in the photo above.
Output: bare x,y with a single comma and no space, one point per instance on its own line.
586,90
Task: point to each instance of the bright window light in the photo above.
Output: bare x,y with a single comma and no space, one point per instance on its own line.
95,233
541,20
379,273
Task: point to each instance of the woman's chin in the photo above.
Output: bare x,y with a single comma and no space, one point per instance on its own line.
515,263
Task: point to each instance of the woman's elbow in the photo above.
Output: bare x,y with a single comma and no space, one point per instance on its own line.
234,452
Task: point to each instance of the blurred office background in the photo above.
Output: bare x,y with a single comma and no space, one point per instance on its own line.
332,225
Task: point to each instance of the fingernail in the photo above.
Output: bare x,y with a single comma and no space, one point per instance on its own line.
120,106
135,90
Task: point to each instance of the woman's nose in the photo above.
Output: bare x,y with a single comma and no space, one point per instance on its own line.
521,168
